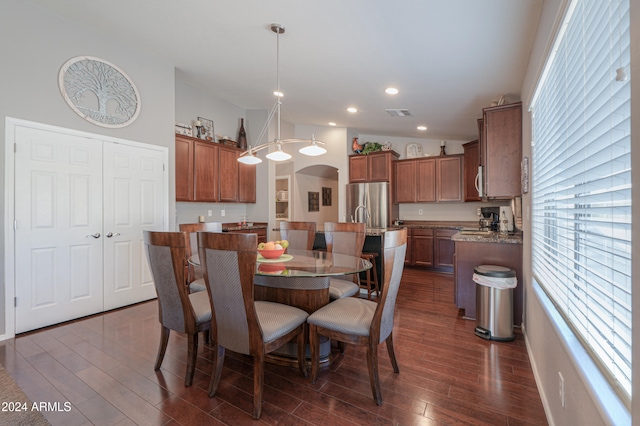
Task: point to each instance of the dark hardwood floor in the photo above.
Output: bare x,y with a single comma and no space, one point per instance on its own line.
103,366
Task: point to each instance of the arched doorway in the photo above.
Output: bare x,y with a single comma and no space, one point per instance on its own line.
313,192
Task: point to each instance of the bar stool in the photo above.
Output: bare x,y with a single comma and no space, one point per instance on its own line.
371,285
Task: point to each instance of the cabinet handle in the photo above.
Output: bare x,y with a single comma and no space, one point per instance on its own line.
111,234
96,235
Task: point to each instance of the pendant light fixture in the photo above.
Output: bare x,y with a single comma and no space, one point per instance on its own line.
312,148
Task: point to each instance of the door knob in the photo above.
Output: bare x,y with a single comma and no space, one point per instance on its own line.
111,234
96,235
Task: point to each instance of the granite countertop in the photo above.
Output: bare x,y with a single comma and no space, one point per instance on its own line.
372,232
488,237
437,224
251,225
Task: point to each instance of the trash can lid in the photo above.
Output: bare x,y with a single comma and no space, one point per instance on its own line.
494,271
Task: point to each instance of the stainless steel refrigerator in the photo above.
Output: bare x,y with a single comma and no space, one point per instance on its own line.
371,203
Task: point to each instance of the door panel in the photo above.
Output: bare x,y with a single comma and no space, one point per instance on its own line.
133,197
81,205
58,207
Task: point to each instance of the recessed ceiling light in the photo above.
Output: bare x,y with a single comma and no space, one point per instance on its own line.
331,123
278,94
352,109
391,91
423,128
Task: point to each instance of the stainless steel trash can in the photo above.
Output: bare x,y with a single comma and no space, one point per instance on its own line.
494,302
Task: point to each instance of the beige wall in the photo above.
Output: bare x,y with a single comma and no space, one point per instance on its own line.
35,45
550,351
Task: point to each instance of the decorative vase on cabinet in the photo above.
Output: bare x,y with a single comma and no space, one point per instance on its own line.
242,136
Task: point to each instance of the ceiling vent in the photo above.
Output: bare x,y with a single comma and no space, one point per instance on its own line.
399,112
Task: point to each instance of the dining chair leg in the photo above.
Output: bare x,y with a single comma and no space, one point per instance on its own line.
372,363
216,373
164,339
258,383
342,346
302,353
192,356
392,353
314,346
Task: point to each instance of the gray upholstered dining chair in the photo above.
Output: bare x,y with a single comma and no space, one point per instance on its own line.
195,278
300,235
364,322
240,323
344,238
178,310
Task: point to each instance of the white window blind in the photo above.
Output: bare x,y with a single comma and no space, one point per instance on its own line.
581,183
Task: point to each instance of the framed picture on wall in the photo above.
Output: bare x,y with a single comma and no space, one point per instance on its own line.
326,196
207,129
314,201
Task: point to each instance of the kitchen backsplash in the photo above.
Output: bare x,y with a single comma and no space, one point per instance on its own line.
444,211
189,212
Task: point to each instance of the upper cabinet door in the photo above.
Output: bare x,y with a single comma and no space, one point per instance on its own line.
405,191
502,151
449,178
358,169
426,180
379,167
229,169
205,167
184,169
471,163
247,183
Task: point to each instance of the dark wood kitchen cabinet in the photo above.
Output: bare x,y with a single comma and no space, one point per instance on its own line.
409,253
422,247
247,183
237,180
449,178
444,248
229,174
196,170
373,167
260,232
415,181
501,151
437,179
209,172
430,248
471,163
468,255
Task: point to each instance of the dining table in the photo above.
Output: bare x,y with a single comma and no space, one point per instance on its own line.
300,278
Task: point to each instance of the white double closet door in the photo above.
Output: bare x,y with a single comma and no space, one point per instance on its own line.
81,205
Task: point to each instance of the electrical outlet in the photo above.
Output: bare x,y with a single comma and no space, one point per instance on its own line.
561,388
420,212
210,212
222,213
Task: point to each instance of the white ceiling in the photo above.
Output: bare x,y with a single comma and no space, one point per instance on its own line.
448,58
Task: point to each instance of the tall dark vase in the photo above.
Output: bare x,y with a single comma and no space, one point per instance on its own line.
242,136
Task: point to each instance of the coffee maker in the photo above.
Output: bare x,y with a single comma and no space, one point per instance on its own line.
489,218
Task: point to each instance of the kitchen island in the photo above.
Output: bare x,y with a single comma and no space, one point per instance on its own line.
474,248
372,244
429,244
259,228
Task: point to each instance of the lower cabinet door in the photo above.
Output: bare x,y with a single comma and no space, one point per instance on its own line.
422,250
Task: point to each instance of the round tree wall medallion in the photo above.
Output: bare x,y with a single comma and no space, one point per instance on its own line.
99,91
